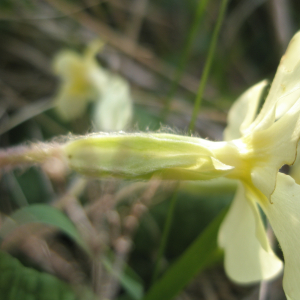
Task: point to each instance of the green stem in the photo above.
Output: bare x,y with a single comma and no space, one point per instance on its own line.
207,67
165,235
200,10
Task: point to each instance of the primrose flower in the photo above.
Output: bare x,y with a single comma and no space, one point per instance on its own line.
84,81
269,141
81,80
256,146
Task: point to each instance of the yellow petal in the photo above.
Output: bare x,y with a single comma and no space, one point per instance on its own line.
113,111
246,261
82,81
270,141
295,169
70,106
285,88
92,49
144,155
273,148
66,62
243,111
284,216
97,76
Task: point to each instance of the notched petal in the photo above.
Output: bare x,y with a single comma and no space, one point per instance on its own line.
243,111
285,88
246,260
284,216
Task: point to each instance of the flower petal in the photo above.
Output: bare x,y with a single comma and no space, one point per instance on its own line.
284,216
71,105
295,169
82,81
285,88
243,111
113,111
246,261
67,62
273,148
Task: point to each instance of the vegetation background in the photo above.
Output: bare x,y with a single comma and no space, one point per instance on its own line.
118,244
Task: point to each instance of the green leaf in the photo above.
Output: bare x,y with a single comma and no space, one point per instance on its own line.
128,281
203,252
19,282
44,214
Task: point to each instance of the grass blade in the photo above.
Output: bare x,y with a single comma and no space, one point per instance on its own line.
202,253
44,214
208,62
200,10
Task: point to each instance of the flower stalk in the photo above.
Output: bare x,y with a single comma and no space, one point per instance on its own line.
27,155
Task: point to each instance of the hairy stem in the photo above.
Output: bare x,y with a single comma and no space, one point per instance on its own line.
31,154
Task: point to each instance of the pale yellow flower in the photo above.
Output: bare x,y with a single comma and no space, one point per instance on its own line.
256,146
84,81
275,132
81,77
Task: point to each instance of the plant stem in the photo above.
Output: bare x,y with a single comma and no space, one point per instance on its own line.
165,235
24,155
208,62
200,10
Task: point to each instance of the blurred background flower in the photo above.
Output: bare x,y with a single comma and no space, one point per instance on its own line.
84,81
